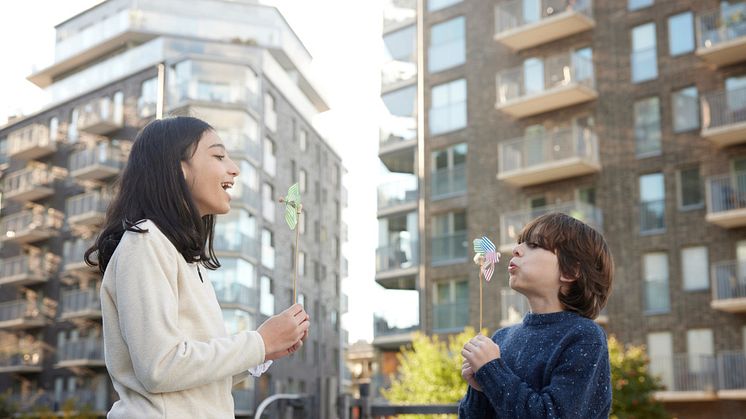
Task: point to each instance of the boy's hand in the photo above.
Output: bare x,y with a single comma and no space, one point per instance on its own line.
479,351
468,374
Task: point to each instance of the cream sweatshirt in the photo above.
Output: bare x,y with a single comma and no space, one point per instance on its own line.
165,344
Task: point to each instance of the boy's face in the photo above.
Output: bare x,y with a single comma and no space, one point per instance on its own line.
534,271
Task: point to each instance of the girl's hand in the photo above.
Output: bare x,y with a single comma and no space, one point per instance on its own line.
468,375
279,354
284,331
479,351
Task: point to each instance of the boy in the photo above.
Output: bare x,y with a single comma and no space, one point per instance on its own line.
555,364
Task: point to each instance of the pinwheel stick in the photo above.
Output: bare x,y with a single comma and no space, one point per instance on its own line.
481,270
298,210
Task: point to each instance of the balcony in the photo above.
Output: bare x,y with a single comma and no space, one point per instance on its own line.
235,295
513,306
23,314
99,162
399,13
235,244
102,116
729,286
532,160
73,255
397,196
86,352
31,142
243,401
512,223
448,182
450,317
726,200
724,117
731,375
88,209
398,143
32,225
33,268
26,358
29,184
80,304
391,331
449,248
397,265
686,377
721,35
540,86
555,19
214,84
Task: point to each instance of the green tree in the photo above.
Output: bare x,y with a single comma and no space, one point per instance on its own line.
633,385
429,372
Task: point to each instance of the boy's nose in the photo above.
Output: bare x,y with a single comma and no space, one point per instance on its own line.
516,251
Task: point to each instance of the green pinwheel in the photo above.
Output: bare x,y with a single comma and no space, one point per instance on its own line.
293,209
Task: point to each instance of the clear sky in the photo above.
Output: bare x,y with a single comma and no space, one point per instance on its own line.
344,37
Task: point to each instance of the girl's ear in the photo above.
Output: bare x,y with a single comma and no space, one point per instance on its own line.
185,170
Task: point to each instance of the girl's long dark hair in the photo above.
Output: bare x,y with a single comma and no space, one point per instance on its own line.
152,186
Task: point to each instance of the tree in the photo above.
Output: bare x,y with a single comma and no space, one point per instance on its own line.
633,386
429,372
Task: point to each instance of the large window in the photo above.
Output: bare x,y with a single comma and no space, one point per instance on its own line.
449,171
660,351
685,104
146,103
448,107
266,296
449,238
638,4
655,275
644,60
447,45
235,282
433,5
236,232
451,305
690,189
401,44
647,127
268,202
268,249
681,33
652,203
694,267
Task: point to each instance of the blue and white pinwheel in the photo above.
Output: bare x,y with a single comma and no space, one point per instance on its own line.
486,256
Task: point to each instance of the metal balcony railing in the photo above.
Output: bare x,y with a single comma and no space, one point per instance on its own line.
527,152
729,280
86,349
448,182
726,192
400,192
75,302
721,25
35,265
451,316
511,14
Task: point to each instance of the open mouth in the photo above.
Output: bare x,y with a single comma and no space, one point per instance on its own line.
226,185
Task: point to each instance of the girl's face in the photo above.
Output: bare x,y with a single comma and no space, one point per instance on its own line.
209,173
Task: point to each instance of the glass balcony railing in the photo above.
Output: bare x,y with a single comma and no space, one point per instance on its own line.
653,216
87,349
399,12
448,182
450,316
657,295
449,248
521,24
513,14
37,223
538,77
102,115
214,82
382,327
401,255
563,153
73,252
236,293
28,268
30,142
512,223
29,184
513,306
400,192
237,243
103,160
80,302
242,144
729,280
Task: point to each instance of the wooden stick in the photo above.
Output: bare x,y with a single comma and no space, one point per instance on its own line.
480,296
295,275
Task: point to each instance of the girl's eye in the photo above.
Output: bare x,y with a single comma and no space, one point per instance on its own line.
220,157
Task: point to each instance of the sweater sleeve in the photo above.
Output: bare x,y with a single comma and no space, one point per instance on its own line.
579,387
475,406
164,359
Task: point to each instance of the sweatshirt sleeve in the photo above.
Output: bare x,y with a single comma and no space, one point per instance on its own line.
475,406
165,359
579,387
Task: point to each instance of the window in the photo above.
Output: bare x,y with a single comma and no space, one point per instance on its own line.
401,102
72,127
433,5
236,232
652,203
638,4
268,202
303,140
647,127
644,60
401,45
451,305
447,45
655,274
690,189
685,105
681,33
268,249
270,158
54,129
660,351
449,238
700,348
694,268
234,282
270,112
302,181
587,195
449,171
146,103
301,263
448,107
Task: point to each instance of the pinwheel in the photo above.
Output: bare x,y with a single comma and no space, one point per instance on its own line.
486,256
293,209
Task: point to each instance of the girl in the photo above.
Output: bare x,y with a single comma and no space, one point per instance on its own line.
165,344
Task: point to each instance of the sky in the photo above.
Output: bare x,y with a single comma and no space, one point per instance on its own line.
344,38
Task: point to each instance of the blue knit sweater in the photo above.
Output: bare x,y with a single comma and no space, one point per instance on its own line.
552,365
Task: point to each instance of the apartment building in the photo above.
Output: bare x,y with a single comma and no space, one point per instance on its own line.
626,114
237,65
